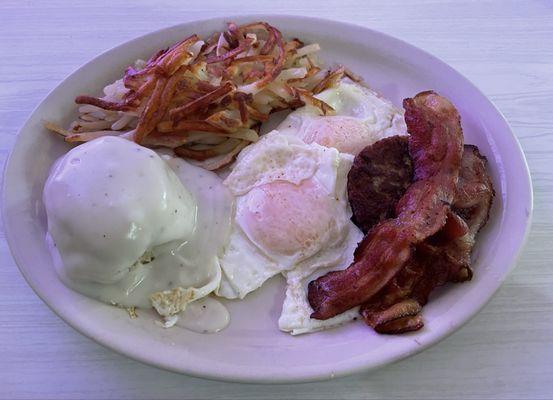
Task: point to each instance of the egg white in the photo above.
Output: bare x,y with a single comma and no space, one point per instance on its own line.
296,310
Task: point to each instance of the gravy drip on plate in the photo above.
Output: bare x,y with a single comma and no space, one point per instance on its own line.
206,315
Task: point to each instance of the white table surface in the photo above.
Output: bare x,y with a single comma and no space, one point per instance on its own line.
505,47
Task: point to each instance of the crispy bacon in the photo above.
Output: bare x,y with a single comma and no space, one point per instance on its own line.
471,207
441,258
475,190
401,317
435,145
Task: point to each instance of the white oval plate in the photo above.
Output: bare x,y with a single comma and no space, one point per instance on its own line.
252,349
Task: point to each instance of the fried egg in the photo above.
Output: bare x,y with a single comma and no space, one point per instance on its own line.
361,118
290,206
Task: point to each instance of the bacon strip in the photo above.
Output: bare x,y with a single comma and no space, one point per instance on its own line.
471,206
475,190
441,258
401,317
435,145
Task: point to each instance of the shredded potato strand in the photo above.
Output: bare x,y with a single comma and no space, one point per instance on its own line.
213,94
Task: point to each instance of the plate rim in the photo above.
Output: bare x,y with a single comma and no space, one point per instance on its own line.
236,376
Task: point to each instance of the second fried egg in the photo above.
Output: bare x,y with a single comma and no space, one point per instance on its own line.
361,118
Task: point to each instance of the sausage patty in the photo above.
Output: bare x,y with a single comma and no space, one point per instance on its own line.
380,175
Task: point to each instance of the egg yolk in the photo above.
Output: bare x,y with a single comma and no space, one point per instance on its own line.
288,219
347,135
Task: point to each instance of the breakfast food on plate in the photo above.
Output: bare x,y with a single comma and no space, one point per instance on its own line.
131,229
292,214
108,202
206,99
360,117
290,206
435,145
379,176
174,201
445,257
292,217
